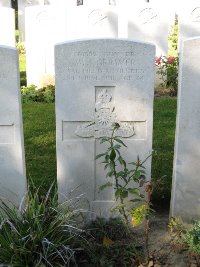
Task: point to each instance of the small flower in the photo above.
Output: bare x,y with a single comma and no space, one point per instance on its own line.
170,60
158,60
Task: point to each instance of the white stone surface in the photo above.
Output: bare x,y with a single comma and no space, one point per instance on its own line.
189,20
149,22
22,4
5,3
93,19
12,164
100,81
7,26
185,200
45,26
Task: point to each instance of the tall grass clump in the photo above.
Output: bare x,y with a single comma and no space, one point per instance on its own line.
41,233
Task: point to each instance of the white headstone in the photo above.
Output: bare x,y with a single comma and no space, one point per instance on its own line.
185,200
149,22
5,3
189,20
45,26
99,82
7,26
12,164
93,19
22,4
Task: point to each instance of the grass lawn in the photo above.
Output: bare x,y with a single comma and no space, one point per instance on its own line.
40,147
22,64
163,145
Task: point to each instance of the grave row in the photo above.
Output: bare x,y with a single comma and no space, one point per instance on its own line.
42,26
99,82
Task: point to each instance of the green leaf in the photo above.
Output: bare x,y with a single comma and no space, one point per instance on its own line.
112,155
104,139
121,192
102,187
106,166
124,193
133,163
116,146
134,191
107,157
137,174
117,193
119,141
121,174
122,161
136,200
112,165
100,155
109,174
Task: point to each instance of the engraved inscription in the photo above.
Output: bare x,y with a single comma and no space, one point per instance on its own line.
195,15
79,2
96,16
104,119
7,134
107,66
147,15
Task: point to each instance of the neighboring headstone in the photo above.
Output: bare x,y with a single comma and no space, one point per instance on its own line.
92,19
185,200
7,26
189,20
149,22
5,3
99,82
12,164
44,28
22,4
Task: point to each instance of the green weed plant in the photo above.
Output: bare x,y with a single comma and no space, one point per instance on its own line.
192,238
40,233
110,244
125,194
32,94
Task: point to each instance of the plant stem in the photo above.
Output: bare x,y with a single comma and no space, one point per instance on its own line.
121,210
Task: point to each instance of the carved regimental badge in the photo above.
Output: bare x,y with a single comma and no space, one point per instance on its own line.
147,15
195,14
104,119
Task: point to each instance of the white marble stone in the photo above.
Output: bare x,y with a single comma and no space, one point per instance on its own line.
44,28
185,200
7,26
12,164
22,4
5,3
149,22
93,19
99,82
189,20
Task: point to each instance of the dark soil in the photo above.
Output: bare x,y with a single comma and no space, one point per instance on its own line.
165,248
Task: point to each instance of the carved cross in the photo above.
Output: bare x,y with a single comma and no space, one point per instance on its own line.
104,119
86,136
